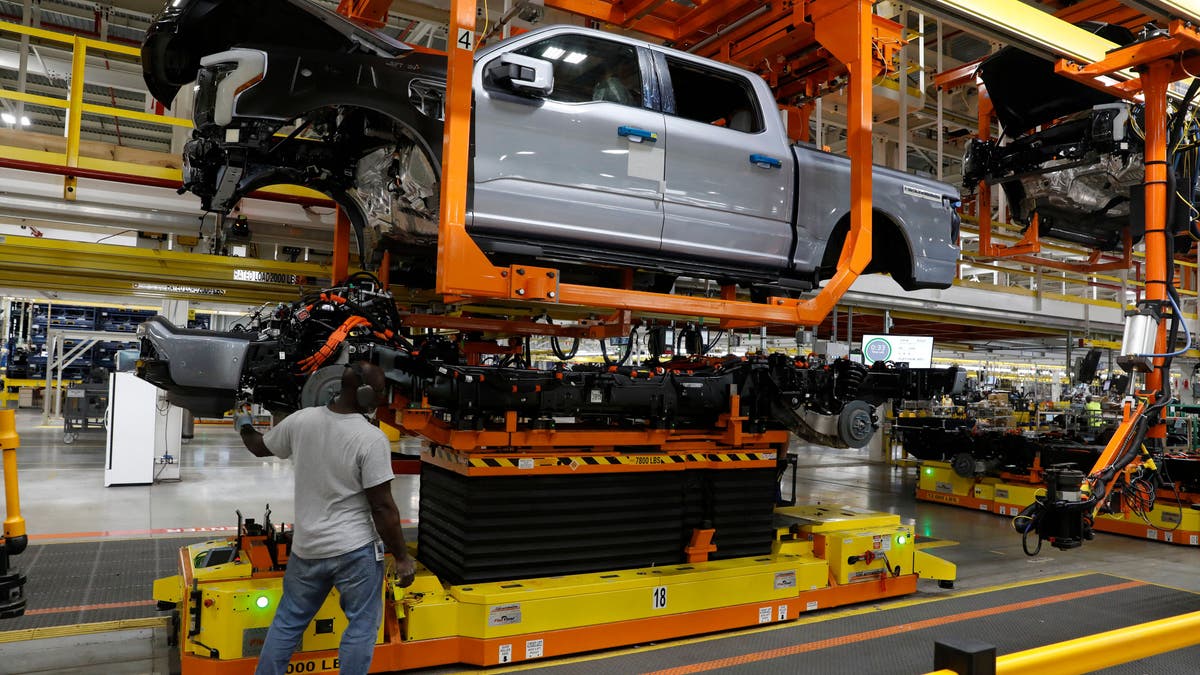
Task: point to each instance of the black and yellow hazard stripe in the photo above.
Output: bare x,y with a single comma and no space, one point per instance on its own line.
512,462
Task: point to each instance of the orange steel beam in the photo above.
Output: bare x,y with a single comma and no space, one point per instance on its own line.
607,12
844,27
798,118
1029,242
1105,11
340,264
958,75
1181,38
370,13
755,28
508,327
638,9
708,17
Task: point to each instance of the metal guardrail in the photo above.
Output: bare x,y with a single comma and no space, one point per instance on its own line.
76,107
1072,657
112,169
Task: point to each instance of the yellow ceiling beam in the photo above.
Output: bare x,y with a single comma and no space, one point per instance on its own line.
137,272
1024,26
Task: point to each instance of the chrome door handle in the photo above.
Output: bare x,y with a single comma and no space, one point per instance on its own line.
637,135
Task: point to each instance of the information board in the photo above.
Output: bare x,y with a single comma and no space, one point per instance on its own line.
915,350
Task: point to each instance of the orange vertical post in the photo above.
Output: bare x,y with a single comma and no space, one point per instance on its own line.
1155,79
462,269
846,29
983,194
1029,242
341,247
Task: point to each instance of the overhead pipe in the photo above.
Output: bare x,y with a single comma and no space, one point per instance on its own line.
721,32
129,218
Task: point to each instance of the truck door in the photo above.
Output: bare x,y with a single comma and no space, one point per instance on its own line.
729,180
580,166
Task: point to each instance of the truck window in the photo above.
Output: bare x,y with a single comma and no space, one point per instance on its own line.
713,97
590,69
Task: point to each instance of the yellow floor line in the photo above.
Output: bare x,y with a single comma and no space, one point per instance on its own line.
840,614
82,629
936,543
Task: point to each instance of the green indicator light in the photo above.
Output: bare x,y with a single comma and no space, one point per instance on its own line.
900,539
262,601
928,472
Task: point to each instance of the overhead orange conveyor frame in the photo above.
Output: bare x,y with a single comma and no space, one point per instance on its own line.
1025,250
370,13
843,27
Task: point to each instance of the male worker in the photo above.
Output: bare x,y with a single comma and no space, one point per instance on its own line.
343,478
1092,408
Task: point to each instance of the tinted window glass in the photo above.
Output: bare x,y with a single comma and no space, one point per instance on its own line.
713,98
589,69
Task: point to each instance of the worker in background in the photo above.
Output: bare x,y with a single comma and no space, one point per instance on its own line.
1092,408
344,508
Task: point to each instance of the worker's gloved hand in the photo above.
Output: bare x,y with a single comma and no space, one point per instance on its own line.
243,419
406,570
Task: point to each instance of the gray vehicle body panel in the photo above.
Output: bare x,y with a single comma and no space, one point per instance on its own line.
552,170
554,179
201,359
716,204
910,201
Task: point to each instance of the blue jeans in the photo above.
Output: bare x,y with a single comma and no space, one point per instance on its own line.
358,578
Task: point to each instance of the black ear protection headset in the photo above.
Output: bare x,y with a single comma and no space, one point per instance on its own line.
364,395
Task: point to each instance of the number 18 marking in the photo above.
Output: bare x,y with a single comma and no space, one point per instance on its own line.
660,597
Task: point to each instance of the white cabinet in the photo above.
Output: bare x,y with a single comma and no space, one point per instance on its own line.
143,429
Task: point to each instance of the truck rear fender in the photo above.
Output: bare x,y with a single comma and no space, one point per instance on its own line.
891,250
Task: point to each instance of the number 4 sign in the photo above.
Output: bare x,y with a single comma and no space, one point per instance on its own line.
466,39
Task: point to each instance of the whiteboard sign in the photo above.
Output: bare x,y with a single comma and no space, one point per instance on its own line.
915,350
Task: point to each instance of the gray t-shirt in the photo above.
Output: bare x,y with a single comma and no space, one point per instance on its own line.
336,458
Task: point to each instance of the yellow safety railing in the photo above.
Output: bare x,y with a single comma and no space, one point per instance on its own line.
75,106
1102,650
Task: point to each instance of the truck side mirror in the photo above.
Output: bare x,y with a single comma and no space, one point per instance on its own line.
524,75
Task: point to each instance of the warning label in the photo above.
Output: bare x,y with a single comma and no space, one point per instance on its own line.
785,579
534,649
504,615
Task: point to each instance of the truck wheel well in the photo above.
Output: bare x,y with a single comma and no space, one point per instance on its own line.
890,251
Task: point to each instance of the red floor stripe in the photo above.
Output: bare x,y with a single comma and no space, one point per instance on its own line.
792,650
88,608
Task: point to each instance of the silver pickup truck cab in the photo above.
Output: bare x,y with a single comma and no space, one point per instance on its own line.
590,150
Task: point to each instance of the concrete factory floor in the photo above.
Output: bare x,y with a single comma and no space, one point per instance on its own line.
64,502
